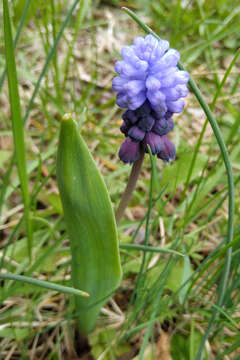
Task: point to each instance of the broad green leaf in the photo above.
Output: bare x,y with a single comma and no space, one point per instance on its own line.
14,333
90,224
53,200
102,341
176,276
179,347
19,250
177,173
132,266
185,348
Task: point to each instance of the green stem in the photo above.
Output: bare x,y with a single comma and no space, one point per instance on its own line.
136,168
224,152
206,122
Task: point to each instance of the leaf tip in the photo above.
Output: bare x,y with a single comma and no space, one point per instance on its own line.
85,294
67,116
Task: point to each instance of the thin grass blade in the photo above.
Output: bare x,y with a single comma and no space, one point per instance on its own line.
19,30
16,117
44,284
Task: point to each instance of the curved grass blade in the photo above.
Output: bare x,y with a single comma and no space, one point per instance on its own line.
224,153
90,224
45,284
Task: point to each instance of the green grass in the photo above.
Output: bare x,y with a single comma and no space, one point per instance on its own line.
17,124
64,61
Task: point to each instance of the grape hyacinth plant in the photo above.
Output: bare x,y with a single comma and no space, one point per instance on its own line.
151,87
127,98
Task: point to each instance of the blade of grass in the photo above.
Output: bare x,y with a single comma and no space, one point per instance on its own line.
224,79
206,121
234,323
209,50
19,30
140,278
155,307
49,58
38,83
83,6
12,235
229,350
45,284
16,117
56,78
149,249
35,265
194,54
5,183
224,152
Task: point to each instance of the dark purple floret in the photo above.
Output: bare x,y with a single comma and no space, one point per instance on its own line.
154,141
130,115
125,128
136,133
129,151
144,110
144,127
168,114
146,122
168,152
163,126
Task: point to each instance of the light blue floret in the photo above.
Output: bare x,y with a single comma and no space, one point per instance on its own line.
149,71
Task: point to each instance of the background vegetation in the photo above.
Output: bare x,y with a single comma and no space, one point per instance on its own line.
65,54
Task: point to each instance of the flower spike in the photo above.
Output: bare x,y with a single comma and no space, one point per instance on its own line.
151,87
